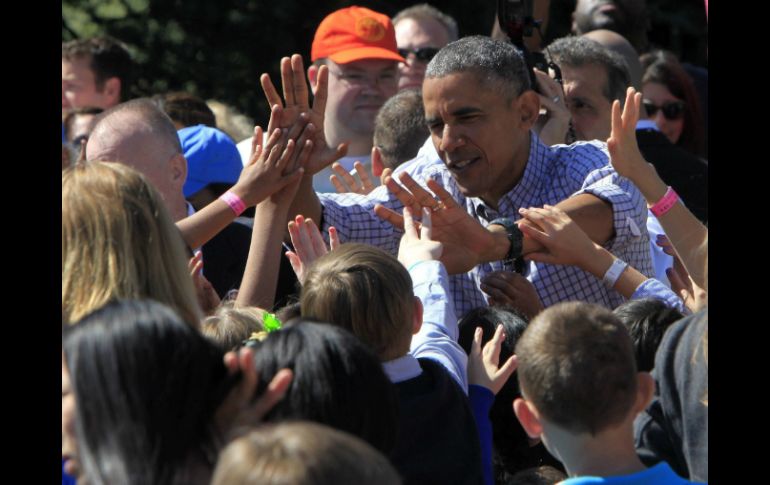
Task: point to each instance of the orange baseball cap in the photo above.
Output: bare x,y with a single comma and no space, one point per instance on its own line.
355,33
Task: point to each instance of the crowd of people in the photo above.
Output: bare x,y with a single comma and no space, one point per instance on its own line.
434,263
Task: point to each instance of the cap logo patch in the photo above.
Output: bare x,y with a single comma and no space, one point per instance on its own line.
369,29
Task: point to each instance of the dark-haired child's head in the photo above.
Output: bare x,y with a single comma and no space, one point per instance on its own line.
366,291
145,386
646,321
513,449
577,368
337,381
514,324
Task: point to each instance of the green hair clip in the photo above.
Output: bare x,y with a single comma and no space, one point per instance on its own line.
270,322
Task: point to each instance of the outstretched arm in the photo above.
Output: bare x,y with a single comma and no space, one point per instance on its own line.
256,182
565,243
437,337
300,116
687,235
466,242
262,265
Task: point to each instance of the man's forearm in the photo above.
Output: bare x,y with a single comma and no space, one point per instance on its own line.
592,214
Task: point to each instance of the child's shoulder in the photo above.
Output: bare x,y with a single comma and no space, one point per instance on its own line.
660,474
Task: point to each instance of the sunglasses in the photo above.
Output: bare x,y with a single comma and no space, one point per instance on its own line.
673,110
424,54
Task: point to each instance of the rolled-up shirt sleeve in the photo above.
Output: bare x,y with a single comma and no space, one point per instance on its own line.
629,210
652,288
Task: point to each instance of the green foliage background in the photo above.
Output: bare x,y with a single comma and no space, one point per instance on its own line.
218,49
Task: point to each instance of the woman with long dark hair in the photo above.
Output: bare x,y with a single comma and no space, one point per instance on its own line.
146,398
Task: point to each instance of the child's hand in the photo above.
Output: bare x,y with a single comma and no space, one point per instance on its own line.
208,298
483,364
299,116
308,245
416,247
624,152
563,240
344,182
506,288
264,174
241,408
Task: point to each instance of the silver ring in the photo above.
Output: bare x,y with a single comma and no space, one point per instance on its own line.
556,99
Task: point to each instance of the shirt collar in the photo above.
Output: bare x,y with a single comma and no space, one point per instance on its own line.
402,369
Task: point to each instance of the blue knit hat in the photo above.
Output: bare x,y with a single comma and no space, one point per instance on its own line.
211,158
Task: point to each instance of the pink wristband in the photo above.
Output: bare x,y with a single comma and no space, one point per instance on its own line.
665,203
235,202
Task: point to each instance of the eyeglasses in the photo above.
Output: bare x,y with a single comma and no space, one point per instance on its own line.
359,79
423,54
673,110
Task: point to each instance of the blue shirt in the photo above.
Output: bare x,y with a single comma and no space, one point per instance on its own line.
552,175
653,288
481,400
660,474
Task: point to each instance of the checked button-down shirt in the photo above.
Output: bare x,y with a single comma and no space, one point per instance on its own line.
552,175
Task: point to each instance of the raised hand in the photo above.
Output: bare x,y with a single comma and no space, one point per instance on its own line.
415,247
204,290
308,245
240,408
506,288
344,182
555,125
465,241
483,364
299,116
625,156
268,170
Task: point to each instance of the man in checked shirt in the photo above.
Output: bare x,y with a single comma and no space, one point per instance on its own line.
484,163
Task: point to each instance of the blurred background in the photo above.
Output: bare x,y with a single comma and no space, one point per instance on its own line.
218,49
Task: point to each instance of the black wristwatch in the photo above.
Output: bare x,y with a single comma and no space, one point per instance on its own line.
515,237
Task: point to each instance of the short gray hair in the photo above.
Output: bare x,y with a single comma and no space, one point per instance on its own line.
492,61
580,51
425,11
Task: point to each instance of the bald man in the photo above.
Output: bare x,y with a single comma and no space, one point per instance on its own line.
142,136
